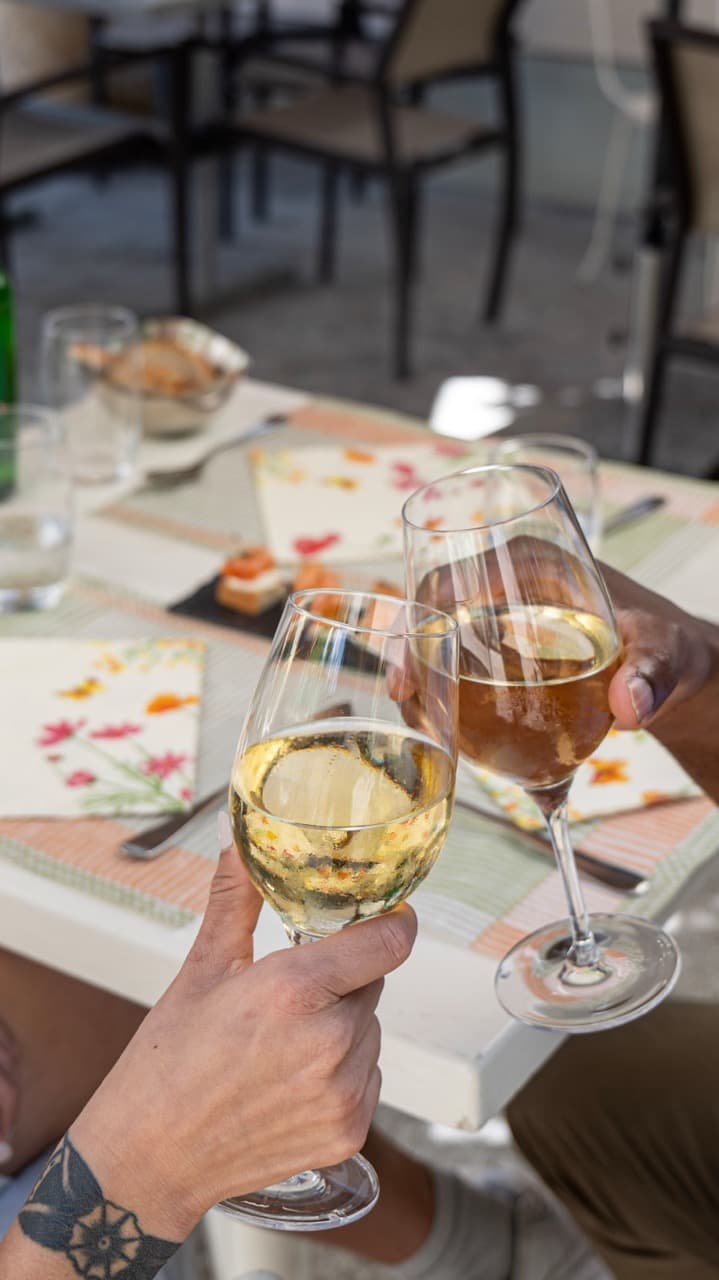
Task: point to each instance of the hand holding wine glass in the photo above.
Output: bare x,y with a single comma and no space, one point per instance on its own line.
500,549
340,801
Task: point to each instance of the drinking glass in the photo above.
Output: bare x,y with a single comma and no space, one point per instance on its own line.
340,800
91,371
577,465
35,509
500,548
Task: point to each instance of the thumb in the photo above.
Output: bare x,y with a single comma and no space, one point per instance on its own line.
661,665
224,943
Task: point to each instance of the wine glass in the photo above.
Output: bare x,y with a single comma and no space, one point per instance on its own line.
340,800
577,465
499,547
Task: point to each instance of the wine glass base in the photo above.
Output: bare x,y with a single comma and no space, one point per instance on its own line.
539,985
318,1200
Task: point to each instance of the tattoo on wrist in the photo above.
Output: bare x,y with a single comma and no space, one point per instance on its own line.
68,1213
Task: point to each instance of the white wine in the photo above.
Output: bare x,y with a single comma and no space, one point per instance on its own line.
533,689
340,819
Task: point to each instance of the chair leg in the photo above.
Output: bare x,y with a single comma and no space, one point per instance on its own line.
505,235
651,400
400,191
226,167
326,255
509,218
180,78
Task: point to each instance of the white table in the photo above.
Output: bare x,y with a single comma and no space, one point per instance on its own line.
450,1054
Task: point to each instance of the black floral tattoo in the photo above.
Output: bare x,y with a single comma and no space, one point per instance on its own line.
68,1213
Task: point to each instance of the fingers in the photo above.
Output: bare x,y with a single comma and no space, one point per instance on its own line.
224,943
663,663
328,970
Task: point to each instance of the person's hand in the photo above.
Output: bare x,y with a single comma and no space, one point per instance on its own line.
8,1091
668,655
244,1073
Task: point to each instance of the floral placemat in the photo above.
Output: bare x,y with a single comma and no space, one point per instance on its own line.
96,727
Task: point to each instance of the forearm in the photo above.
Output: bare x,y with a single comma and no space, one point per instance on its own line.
78,1223
690,730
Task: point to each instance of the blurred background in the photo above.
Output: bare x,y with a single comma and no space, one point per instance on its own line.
578,310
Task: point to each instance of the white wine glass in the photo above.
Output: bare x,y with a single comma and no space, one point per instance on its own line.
577,465
500,548
340,800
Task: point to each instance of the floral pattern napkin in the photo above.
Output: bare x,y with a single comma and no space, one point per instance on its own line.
338,504
93,727
627,771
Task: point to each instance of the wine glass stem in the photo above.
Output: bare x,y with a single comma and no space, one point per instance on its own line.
584,949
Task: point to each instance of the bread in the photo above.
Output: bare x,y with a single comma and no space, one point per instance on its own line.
161,366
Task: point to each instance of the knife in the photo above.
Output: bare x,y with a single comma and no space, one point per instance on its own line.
633,512
608,873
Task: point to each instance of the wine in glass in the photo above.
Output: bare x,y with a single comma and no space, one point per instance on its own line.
340,800
500,549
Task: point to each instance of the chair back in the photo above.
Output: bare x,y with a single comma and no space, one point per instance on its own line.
438,37
35,43
687,63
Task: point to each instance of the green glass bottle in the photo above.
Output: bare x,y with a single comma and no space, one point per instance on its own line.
8,384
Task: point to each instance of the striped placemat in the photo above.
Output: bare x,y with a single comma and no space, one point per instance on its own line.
489,888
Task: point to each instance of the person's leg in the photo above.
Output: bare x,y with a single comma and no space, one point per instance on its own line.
431,1225
624,1128
68,1036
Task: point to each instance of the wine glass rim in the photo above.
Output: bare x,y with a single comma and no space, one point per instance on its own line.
78,316
295,598
545,472
552,440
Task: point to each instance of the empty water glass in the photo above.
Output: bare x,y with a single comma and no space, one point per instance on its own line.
35,509
91,358
576,463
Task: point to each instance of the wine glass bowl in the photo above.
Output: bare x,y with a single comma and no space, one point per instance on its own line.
501,550
340,800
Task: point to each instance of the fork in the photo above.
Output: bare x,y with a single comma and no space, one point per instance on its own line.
171,479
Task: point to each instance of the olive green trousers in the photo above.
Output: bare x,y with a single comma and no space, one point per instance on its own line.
623,1126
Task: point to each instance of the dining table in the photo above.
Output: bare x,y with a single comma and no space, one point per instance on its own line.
145,558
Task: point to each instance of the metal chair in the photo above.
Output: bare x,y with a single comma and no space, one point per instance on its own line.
372,127
687,66
41,137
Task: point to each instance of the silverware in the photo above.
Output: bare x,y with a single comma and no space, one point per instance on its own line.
171,479
609,873
633,512
148,844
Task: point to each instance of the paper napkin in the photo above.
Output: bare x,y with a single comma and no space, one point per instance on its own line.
95,727
338,504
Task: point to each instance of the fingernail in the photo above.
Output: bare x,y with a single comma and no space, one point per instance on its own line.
642,696
6,1152
224,830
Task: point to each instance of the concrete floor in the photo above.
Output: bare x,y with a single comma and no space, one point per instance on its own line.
557,333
